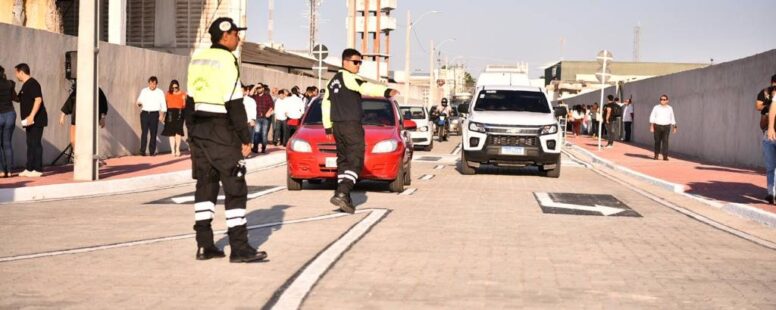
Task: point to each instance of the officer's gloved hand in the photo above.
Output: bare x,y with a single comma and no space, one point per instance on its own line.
239,169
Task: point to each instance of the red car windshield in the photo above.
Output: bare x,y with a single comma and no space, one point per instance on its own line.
376,113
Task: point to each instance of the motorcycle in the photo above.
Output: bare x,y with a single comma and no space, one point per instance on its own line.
441,127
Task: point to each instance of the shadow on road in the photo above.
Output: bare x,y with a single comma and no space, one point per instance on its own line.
258,217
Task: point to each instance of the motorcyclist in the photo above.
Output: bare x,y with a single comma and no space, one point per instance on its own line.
442,109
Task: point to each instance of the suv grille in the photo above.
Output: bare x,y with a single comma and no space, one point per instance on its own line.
513,141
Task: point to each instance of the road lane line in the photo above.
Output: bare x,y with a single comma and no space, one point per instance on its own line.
408,191
190,198
426,177
293,293
437,167
156,240
456,150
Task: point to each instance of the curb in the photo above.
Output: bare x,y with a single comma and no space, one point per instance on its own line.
121,186
741,210
676,188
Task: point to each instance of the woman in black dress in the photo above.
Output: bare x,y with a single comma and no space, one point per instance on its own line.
173,121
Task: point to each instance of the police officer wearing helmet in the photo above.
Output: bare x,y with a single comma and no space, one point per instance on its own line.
221,139
342,113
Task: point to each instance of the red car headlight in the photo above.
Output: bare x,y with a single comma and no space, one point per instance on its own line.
385,146
300,146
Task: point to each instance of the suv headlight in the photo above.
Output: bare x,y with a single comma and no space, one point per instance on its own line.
301,146
385,146
549,129
477,127
423,128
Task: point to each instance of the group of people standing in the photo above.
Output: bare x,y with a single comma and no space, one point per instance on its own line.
33,118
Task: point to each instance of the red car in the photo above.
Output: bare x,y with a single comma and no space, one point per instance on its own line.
310,156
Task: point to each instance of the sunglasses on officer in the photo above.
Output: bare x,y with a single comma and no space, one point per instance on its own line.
356,62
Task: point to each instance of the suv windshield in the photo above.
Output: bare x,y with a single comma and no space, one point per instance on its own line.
413,112
376,113
512,100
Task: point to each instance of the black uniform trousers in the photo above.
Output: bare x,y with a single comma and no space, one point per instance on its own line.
350,153
662,132
628,127
209,172
149,122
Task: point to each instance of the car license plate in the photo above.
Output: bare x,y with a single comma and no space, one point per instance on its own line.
331,162
512,150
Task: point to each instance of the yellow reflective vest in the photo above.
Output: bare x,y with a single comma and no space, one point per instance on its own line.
214,78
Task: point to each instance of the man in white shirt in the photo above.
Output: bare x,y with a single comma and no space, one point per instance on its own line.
662,120
250,107
153,104
627,119
281,127
294,110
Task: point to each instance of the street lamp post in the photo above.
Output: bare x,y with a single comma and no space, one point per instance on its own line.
433,85
407,52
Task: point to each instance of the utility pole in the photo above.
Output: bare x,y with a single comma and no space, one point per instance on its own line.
271,21
86,167
637,43
431,81
407,73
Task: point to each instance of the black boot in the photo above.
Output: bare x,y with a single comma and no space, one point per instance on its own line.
242,252
206,249
344,202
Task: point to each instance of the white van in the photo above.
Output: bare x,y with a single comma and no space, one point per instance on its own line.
510,126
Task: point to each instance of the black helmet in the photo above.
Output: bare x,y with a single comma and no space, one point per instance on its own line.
444,102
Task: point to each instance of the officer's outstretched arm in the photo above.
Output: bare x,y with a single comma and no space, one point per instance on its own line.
357,84
326,112
235,110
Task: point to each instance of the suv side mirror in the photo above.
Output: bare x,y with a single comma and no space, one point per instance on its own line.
409,124
463,108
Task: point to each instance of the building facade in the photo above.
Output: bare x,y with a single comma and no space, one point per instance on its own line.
369,25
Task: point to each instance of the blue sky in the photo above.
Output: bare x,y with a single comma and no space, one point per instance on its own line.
503,31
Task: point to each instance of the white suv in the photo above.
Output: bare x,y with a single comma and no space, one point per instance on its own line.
510,126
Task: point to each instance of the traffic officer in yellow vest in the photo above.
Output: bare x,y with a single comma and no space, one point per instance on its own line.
342,113
221,139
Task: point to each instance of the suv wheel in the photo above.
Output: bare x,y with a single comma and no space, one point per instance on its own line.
465,169
397,185
293,184
554,173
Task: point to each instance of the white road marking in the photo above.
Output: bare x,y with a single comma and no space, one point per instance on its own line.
156,240
437,167
456,150
408,191
546,201
190,198
295,293
426,177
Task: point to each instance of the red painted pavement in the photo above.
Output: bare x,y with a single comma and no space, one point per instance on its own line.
114,168
726,184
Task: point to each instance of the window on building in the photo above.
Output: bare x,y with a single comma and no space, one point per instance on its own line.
141,22
68,11
193,17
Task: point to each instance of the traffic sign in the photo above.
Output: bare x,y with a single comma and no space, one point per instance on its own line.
320,51
604,55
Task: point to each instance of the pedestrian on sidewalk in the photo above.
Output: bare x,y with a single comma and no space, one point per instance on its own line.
281,128
250,108
69,109
153,106
612,121
310,93
767,111
620,125
222,140
173,121
7,122
594,119
662,122
34,118
294,111
264,111
627,119
342,114
577,116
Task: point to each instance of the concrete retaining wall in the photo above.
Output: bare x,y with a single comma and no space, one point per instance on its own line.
714,107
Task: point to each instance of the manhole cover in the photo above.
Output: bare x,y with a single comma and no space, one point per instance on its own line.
583,204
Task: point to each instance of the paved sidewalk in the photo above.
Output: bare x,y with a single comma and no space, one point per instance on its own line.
119,174
727,185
